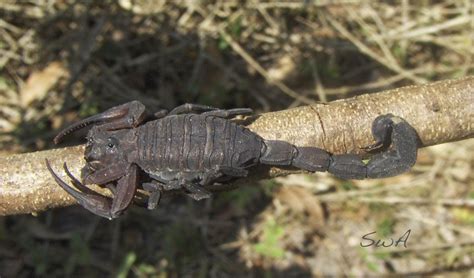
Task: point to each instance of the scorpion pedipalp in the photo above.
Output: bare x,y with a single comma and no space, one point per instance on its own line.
77,183
76,126
123,116
89,199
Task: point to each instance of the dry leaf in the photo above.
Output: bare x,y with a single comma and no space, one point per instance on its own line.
40,82
284,66
301,200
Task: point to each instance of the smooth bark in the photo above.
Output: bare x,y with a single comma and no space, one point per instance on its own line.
440,112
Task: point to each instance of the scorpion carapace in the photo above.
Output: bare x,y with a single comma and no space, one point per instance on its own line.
195,145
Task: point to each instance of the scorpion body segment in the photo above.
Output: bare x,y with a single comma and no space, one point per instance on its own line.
192,143
195,145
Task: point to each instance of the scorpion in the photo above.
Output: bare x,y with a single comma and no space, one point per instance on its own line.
196,145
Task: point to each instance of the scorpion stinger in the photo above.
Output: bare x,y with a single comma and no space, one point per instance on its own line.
127,115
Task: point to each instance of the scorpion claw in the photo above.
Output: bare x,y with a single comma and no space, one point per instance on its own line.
77,183
124,116
90,200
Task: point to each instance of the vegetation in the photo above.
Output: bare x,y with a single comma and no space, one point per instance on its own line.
64,60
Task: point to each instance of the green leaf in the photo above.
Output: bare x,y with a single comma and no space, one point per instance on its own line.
464,215
348,185
471,195
385,228
126,265
269,246
373,266
222,44
381,255
146,270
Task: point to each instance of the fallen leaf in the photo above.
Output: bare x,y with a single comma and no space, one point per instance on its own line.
40,82
283,67
301,200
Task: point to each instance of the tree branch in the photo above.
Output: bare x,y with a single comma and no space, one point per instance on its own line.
440,112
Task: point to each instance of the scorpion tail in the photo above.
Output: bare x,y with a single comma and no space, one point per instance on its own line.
388,130
281,153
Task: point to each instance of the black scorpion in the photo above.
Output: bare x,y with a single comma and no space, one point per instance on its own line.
195,145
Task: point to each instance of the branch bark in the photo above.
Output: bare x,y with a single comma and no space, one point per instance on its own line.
440,112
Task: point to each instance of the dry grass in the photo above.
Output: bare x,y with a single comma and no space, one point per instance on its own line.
63,60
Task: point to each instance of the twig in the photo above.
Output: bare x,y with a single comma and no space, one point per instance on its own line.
412,201
425,248
366,50
300,4
376,36
440,112
355,194
255,65
432,222
384,82
404,34
434,271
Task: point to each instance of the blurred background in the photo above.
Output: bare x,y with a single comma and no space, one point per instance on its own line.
63,60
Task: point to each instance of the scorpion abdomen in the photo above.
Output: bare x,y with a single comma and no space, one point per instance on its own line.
195,143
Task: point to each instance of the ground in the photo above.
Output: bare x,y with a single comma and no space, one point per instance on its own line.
62,60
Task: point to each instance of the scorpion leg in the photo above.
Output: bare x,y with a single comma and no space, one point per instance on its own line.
127,115
196,192
210,176
195,186
111,187
172,185
189,108
232,171
155,190
226,114
189,184
160,114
